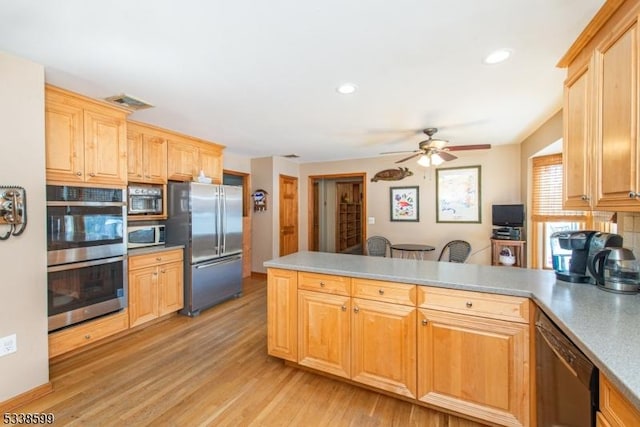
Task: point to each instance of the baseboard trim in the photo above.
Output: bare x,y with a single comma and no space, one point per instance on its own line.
256,275
26,397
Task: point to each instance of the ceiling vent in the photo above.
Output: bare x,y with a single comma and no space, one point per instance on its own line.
129,101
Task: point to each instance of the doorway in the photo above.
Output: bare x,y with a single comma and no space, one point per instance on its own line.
337,213
288,215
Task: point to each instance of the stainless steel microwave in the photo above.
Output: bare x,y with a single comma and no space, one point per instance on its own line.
144,200
145,235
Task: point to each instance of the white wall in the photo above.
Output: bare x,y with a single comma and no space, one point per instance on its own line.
237,163
23,281
500,176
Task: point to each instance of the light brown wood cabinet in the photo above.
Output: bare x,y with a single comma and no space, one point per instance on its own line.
600,115
615,409
155,285
462,351
146,154
282,314
188,156
473,354
74,337
85,140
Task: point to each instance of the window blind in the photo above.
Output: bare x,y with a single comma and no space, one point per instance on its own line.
547,191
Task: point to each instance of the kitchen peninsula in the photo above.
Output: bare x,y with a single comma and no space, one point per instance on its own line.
602,324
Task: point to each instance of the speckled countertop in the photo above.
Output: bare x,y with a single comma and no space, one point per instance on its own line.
604,325
152,249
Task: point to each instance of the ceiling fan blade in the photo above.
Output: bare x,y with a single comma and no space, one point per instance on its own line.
401,152
410,157
468,147
446,156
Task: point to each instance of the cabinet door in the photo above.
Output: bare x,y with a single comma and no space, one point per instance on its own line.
211,164
182,160
282,313
143,295
324,333
155,159
105,148
474,366
170,288
64,142
615,407
384,346
135,171
577,149
617,131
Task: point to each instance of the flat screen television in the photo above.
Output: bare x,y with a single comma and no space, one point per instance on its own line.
507,215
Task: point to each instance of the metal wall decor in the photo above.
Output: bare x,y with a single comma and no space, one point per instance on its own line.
13,210
392,174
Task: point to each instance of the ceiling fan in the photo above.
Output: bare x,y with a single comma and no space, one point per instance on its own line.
433,151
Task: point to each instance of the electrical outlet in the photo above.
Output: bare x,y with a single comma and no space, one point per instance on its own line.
8,345
372,220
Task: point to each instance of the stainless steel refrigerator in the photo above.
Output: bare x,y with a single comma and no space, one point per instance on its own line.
207,220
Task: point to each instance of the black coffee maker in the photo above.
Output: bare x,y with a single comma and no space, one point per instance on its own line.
583,245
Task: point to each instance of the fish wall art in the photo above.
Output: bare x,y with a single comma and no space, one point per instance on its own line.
392,174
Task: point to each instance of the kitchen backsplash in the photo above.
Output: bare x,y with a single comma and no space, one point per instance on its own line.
629,228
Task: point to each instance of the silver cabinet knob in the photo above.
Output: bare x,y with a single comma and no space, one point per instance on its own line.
322,284
424,322
87,337
79,173
356,310
633,194
158,259
584,198
381,291
469,304
344,308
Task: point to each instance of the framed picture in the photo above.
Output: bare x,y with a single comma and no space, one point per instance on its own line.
458,195
404,203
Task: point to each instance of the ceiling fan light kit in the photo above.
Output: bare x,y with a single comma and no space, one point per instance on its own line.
434,152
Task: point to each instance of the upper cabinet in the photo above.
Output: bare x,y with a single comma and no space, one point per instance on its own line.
189,156
146,154
601,156
85,140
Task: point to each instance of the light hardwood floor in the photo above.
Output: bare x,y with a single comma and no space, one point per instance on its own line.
212,370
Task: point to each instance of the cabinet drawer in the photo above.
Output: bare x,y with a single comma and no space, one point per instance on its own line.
493,306
161,257
87,333
396,293
338,285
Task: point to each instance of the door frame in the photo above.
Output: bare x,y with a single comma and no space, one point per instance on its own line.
296,216
311,238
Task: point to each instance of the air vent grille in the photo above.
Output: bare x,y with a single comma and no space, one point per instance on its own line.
291,156
129,101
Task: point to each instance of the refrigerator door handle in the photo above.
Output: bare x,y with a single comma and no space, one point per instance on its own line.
217,262
223,220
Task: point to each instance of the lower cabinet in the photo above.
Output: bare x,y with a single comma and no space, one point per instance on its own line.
615,409
463,352
155,285
475,366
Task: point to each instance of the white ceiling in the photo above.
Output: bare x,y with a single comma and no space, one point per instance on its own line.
260,76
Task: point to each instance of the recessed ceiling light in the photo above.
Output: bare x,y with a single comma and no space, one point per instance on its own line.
347,88
497,56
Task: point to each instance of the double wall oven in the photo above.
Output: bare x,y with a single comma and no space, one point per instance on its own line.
86,253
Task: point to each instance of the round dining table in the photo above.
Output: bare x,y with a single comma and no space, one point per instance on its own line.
411,250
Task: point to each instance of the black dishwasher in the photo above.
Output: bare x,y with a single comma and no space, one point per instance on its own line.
566,381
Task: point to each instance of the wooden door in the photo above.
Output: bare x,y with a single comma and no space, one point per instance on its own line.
155,159
182,159
64,142
105,146
282,313
135,172
314,243
143,295
324,332
170,288
384,346
288,215
577,149
475,366
616,139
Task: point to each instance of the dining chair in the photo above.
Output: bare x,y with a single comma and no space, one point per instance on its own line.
377,246
459,251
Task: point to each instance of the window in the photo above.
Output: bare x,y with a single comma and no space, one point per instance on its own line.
547,215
